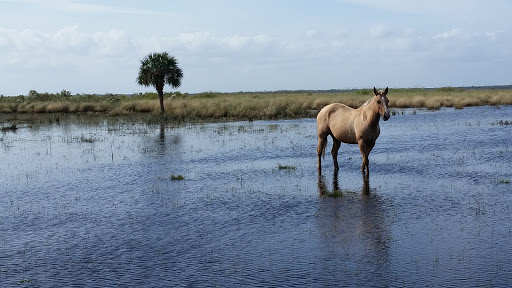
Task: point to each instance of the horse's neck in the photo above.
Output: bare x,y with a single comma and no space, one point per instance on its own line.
371,115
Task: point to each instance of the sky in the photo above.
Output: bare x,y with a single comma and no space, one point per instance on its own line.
254,45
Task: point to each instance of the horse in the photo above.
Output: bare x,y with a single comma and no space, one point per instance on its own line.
352,126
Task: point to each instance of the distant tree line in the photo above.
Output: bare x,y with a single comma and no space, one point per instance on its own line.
66,96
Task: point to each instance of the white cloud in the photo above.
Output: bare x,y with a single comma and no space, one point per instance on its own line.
110,43
492,35
269,60
380,31
35,48
311,33
194,40
68,38
453,33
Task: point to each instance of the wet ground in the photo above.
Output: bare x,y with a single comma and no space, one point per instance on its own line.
96,203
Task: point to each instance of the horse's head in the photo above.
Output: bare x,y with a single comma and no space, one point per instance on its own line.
382,101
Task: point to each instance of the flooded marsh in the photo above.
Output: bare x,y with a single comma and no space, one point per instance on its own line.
111,202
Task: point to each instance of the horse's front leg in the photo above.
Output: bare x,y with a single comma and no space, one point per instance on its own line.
365,150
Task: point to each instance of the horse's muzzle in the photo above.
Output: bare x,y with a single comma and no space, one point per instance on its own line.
385,117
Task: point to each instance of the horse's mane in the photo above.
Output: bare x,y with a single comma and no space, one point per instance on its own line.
367,102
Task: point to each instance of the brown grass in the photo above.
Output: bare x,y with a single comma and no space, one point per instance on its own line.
260,105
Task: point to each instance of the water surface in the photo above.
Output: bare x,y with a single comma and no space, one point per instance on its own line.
91,202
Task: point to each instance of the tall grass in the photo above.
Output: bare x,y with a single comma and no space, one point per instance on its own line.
246,105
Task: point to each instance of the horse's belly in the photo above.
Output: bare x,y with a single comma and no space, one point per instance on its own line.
348,137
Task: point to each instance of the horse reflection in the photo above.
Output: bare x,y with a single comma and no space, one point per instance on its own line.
336,192
354,228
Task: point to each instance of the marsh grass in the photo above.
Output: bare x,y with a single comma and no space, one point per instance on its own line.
286,167
12,127
248,105
503,123
333,194
84,139
177,177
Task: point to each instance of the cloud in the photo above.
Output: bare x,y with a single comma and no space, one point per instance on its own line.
63,45
33,48
68,36
199,40
311,33
451,34
111,43
379,31
271,60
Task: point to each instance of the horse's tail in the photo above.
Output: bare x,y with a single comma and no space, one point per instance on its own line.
323,148
321,122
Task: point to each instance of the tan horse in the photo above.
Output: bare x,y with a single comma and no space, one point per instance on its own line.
352,126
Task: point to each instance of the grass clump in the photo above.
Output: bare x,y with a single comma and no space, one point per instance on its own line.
333,194
286,167
177,177
84,139
11,127
502,123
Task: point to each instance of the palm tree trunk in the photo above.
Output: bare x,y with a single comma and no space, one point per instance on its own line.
161,97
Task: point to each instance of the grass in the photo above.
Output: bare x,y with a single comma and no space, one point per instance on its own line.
177,177
84,139
246,105
333,194
24,281
12,127
501,122
286,167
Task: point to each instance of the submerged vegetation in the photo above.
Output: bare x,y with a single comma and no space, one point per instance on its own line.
245,105
501,122
332,194
177,177
286,167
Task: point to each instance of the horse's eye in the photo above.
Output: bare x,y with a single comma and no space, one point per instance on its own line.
378,102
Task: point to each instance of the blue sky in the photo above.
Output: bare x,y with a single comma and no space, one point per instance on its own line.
254,45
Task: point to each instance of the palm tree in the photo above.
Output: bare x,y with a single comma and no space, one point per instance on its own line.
158,69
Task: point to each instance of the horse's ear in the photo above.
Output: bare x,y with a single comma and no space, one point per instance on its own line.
386,91
375,91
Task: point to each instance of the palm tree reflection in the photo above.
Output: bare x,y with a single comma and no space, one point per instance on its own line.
165,145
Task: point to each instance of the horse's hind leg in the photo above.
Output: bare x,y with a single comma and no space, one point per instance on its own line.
335,147
320,150
364,153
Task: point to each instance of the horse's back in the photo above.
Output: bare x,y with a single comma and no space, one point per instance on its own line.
332,111
323,118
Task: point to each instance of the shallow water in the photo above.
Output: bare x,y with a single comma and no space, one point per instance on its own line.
93,204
